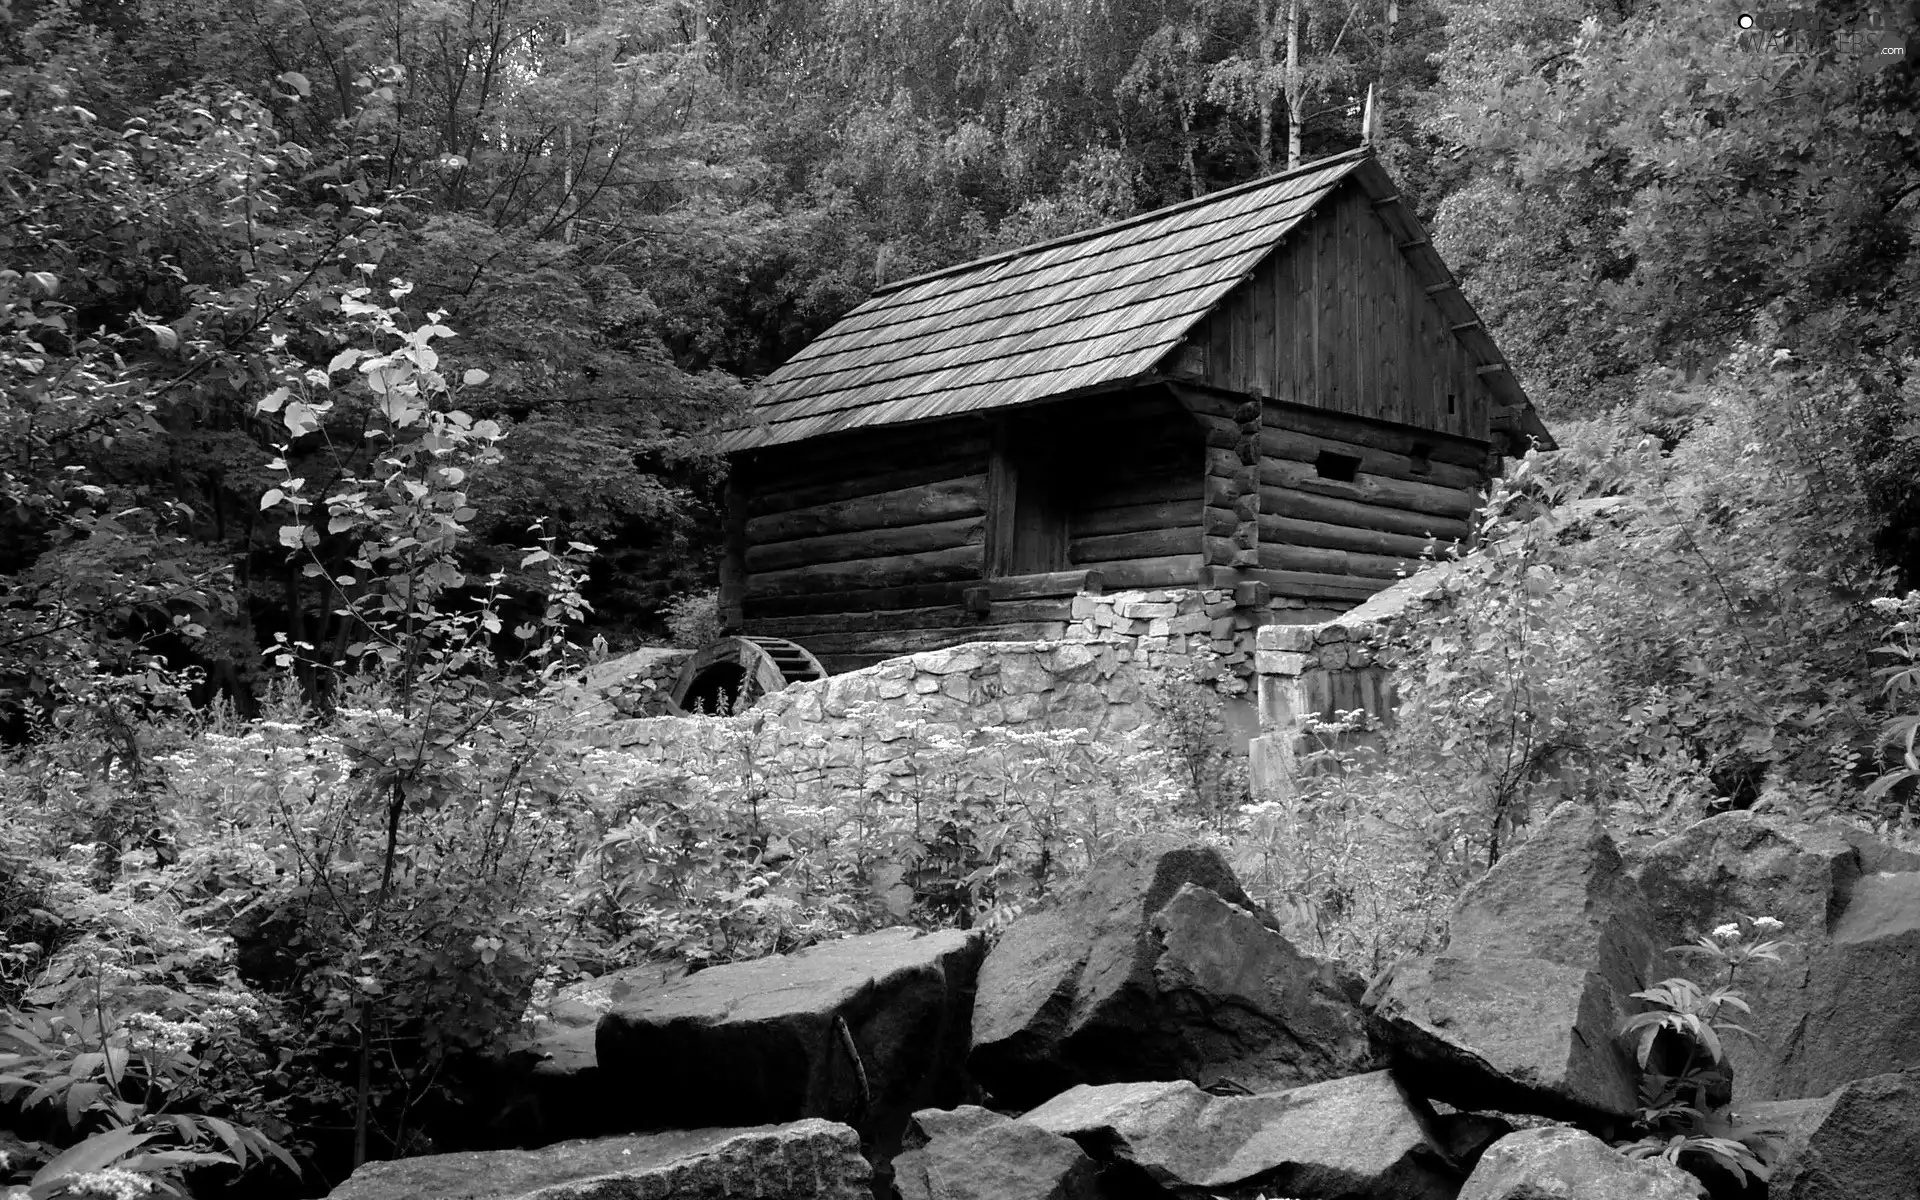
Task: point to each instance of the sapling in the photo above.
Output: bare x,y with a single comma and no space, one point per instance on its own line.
1684,1114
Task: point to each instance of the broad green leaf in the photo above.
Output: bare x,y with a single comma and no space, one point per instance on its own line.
300,419
473,377
271,497
271,402
100,1150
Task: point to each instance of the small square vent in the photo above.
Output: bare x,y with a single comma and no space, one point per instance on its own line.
1342,467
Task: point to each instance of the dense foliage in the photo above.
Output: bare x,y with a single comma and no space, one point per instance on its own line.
359,364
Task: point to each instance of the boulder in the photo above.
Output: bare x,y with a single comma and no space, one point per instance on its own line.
1360,1136
1861,1140
974,1154
867,1029
1557,1163
806,1160
1158,966
1841,1004
1243,1005
1521,1008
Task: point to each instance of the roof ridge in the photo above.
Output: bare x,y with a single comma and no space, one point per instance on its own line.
1237,189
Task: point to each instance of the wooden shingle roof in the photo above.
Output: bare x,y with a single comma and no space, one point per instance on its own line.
1097,309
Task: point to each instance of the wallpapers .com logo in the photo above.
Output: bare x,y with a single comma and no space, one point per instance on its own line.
1886,37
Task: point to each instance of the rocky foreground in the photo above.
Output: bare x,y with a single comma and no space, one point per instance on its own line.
1155,1035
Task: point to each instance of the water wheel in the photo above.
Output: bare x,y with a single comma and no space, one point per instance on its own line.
735,671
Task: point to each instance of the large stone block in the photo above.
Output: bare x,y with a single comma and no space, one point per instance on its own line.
1158,966
866,1029
1353,1137
1290,638
1843,1002
1522,1007
1245,1007
806,1160
1860,1141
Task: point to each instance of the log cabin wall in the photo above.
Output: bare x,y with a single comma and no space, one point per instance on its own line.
1132,466
1340,506
856,545
901,539
1347,506
1337,319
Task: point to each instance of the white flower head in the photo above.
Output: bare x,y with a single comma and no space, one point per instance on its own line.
1769,924
1727,932
110,1183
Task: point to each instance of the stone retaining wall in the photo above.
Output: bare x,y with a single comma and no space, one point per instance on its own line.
1297,660
864,716
1156,628
1315,672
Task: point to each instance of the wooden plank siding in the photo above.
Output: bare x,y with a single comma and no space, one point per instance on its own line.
1338,319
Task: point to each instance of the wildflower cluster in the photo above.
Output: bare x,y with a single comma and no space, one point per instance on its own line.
109,1183
149,1034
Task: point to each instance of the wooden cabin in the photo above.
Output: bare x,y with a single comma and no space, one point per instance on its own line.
1278,384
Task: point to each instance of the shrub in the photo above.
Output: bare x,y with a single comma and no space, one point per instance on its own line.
693,619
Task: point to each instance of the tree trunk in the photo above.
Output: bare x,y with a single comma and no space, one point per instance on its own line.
1265,93
1194,191
1294,84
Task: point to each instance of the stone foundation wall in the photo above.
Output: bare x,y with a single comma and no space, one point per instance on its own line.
836,723
1295,658
1210,628
1315,672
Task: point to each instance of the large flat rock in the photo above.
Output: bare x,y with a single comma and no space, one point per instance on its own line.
1521,1008
806,1160
865,1030
1355,1137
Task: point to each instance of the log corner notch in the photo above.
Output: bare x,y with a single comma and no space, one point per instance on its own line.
733,558
1231,427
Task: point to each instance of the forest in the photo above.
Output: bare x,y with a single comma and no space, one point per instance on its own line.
363,365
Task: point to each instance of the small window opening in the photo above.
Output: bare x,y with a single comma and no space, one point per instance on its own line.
1450,404
1342,467
1422,457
